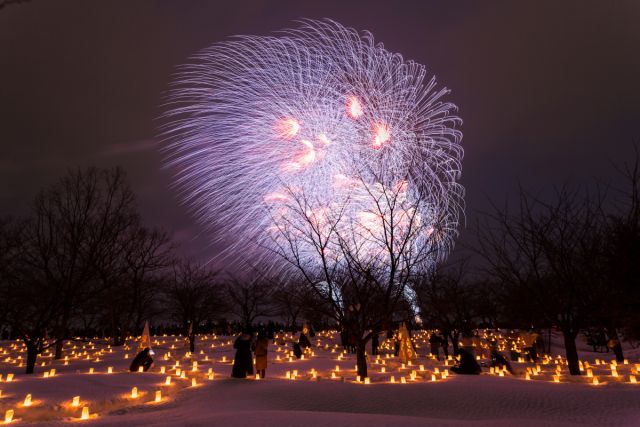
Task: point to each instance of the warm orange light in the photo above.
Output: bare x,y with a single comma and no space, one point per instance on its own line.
85,413
8,416
27,400
134,392
75,401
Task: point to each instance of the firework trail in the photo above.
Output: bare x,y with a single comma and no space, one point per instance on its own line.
321,109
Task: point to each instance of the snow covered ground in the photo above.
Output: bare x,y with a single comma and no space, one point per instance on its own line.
486,400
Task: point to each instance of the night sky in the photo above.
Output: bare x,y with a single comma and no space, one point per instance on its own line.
549,91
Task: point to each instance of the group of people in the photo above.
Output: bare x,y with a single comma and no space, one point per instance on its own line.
245,345
248,345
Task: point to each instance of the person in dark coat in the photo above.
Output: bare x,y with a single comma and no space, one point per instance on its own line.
498,360
435,342
143,359
243,361
303,341
375,343
467,364
297,351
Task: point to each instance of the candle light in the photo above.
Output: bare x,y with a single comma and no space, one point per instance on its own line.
27,400
85,413
167,381
110,370
8,416
367,380
632,379
403,380
75,401
9,378
134,392
158,396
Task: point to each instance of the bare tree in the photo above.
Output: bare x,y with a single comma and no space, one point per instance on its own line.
552,253
129,277
75,222
359,269
249,299
192,296
448,301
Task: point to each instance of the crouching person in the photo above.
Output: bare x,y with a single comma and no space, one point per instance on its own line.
143,359
467,364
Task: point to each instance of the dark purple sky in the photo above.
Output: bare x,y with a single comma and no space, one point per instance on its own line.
549,90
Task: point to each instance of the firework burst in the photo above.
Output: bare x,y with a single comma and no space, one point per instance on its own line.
320,109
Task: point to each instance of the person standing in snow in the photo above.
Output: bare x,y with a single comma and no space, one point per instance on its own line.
261,349
242,362
434,341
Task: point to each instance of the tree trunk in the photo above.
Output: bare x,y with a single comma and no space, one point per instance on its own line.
361,359
32,355
59,345
571,352
192,343
455,343
612,334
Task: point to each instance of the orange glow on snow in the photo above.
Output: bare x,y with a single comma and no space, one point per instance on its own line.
287,127
381,135
354,108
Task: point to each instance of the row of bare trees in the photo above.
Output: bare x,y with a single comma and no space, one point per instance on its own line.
83,260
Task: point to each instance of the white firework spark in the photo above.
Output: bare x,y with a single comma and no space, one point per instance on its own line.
322,110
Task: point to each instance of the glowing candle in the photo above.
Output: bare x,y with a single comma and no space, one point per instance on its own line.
140,368
8,416
158,395
110,370
85,413
632,379
163,370
75,401
134,392
433,377
9,378
595,381
194,382
168,380
403,380
366,380
27,400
